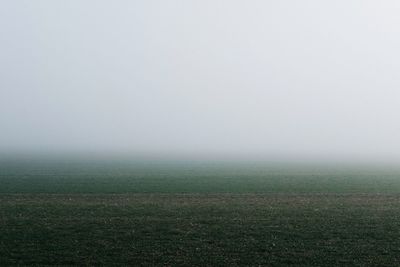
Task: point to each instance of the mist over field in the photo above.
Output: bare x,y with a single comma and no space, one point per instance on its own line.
199,133
283,80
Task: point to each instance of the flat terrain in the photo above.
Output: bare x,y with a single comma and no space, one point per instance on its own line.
192,214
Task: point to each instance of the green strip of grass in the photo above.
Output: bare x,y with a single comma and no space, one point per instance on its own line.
156,177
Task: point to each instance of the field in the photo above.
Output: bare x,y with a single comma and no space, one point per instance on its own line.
99,212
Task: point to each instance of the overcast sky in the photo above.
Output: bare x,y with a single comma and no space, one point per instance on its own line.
292,78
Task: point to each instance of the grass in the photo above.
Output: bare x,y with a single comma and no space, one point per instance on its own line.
56,176
197,214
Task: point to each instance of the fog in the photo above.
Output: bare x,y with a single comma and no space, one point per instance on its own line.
296,79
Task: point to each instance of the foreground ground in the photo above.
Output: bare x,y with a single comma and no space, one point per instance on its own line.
191,229
197,216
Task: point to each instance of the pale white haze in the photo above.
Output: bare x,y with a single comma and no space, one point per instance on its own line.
284,78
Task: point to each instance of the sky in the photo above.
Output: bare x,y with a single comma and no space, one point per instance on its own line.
283,78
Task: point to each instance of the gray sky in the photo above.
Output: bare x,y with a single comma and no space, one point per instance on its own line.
293,78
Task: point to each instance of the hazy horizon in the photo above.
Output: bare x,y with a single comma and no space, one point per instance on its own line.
274,80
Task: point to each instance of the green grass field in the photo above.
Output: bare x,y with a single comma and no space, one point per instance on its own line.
64,212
